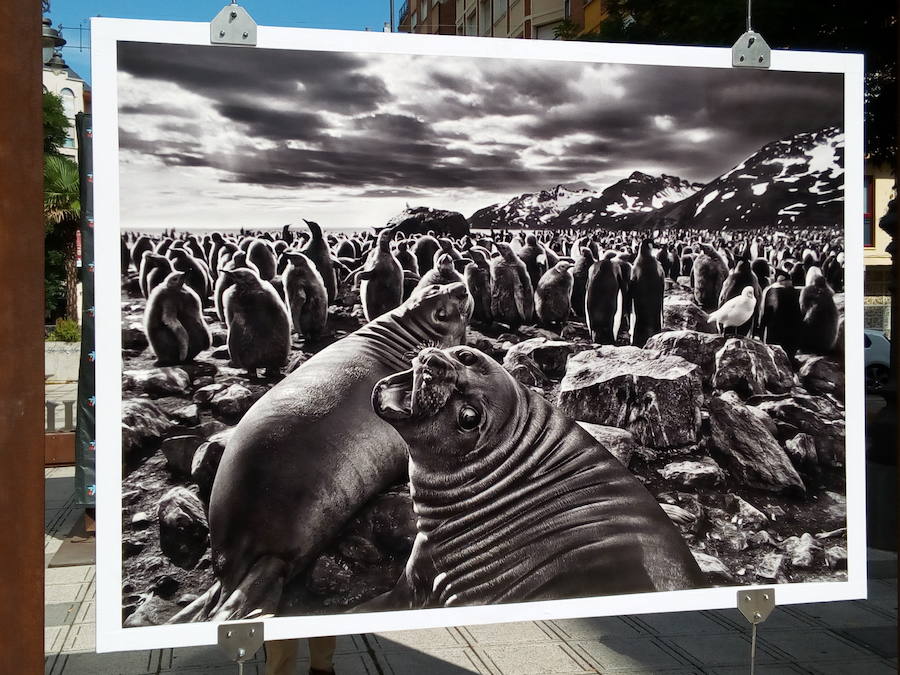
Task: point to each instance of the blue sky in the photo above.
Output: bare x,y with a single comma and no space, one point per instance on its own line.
347,14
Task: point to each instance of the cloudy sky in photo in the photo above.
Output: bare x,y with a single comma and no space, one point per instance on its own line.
220,137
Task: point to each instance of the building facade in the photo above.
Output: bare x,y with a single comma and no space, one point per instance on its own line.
75,95
879,188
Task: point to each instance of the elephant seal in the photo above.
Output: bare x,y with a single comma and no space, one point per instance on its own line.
381,289
515,501
173,322
310,453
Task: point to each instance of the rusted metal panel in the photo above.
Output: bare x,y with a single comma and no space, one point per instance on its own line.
59,449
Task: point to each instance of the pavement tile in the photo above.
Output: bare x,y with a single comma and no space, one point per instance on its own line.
189,659
54,638
808,646
435,662
528,659
68,575
60,613
594,628
880,640
844,614
64,593
508,633
852,668
615,653
681,623
82,637
781,618
761,669
719,650
425,640
86,613
120,663
883,596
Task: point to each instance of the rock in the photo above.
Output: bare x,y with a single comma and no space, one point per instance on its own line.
329,577
134,338
153,611
732,398
359,550
165,586
183,530
752,455
801,550
205,464
654,396
549,355
728,537
750,367
818,416
713,568
831,534
204,381
186,599
141,520
698,348
836,557
536,332
761,538
802,451
618,441
822,375
747,514
189,414
230,404
132,547
681,517
221,353
158,381
775,512
679,314
524,369
143,424
832,509
219,337
769,566
179,452
689,474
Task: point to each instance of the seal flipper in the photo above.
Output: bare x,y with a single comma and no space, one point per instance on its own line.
258,593
200,608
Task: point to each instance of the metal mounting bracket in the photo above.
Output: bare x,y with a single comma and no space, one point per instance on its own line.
233,25
751,51
756,605
240,641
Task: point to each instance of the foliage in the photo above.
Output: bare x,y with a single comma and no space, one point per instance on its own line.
54,279
62,191
56,124
825,25
566,30
65,330
62,214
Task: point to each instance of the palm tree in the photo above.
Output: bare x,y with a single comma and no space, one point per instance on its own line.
62,214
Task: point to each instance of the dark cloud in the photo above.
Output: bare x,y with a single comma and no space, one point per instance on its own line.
274,124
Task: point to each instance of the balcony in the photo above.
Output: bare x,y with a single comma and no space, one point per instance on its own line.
404,12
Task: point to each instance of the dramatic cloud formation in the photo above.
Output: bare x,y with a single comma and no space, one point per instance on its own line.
230,137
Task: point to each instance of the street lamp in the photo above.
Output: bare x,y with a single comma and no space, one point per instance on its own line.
56,63
51,41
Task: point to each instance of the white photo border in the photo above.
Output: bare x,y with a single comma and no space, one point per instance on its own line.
105,32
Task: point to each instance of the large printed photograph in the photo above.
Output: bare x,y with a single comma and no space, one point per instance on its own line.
411,331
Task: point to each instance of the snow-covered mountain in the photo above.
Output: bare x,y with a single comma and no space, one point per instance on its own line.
627,204
531,210
799,179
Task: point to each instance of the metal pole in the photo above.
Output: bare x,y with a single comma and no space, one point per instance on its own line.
22,339
392,16
749,12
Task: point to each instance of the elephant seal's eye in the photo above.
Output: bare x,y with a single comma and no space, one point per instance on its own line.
469,418
467,358
441,314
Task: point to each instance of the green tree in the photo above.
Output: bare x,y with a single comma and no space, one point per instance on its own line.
62,215
56,124
822,25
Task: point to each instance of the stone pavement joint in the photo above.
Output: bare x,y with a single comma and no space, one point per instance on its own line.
824,638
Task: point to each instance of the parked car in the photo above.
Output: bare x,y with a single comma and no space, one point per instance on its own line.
878,359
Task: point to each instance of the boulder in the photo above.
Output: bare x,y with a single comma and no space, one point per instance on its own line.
205,463
698,348
683,518
230,404
134,338
802,451
822,375
801,551
818,416
836,557
189,414
205,394
183,530
713,569
141,520
549,355
770,566
153,611
751,454
143,425
618,441
691,474
524,369
219,337
750,367
680,313
422,219
832,510
746,514
761,538
654,396
158,381
179,452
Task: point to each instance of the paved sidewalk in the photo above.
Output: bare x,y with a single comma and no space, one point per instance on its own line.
841,637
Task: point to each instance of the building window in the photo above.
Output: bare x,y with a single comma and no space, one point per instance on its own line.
471,28
499,9
414,22
868,217
68,101
484,16
547,31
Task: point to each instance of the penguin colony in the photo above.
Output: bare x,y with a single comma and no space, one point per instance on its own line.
776,287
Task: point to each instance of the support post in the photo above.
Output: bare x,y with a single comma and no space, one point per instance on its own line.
22,338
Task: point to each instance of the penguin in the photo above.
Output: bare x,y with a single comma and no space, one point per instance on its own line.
737,311
260,253
780,321
646,290
307,299
708,274
173,322
346,249
761,269
316,249
125,255
666,260
381,289
534,259
601,300
217,241
477,276
512,296
819,314
152,271
442,273
738,279
196,273
405,257
424,250
259,330
287,236
224,282
553,295
142,244
580,273
163,245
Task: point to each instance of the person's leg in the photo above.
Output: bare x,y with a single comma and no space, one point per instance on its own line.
321,654
281,657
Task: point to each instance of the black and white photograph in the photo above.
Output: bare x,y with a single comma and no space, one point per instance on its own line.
416,331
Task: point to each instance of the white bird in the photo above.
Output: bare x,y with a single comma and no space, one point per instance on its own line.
737,311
